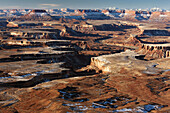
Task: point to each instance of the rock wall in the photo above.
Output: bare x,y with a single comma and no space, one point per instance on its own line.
155,50
101,64
156,32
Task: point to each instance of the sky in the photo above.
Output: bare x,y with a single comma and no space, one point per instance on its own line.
83,4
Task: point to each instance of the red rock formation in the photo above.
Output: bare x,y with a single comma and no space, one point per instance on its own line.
37,12
130,12
153,51
36,15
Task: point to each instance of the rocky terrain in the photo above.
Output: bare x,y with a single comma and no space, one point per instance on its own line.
95,64
145,15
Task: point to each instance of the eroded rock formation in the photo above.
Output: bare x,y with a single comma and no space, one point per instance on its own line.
72,65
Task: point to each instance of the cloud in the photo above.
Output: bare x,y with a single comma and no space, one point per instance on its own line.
50,5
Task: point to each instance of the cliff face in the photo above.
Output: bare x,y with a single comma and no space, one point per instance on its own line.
37,15
128,60
38,12
101,63
160,16
156,45
153,51
113,63
130,12
156,32
138,15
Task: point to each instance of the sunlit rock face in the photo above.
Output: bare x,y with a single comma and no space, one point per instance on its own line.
154,51
114,62
38,12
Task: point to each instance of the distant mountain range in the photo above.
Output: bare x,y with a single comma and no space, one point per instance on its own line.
154,14
20,12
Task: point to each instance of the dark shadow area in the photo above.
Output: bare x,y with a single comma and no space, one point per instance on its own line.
141,57
59,43
156,32
46,77
72,62
145,42
140,18
113,27
5,46
103,38
71,94
153,42
68,38
21,57
64,49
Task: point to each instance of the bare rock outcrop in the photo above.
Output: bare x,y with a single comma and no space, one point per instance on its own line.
154,51
36,14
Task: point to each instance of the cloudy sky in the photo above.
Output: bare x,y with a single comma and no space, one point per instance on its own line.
48,4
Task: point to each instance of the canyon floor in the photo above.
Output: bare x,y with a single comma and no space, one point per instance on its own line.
94,66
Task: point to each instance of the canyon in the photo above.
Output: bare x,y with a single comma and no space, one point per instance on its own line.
76,61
